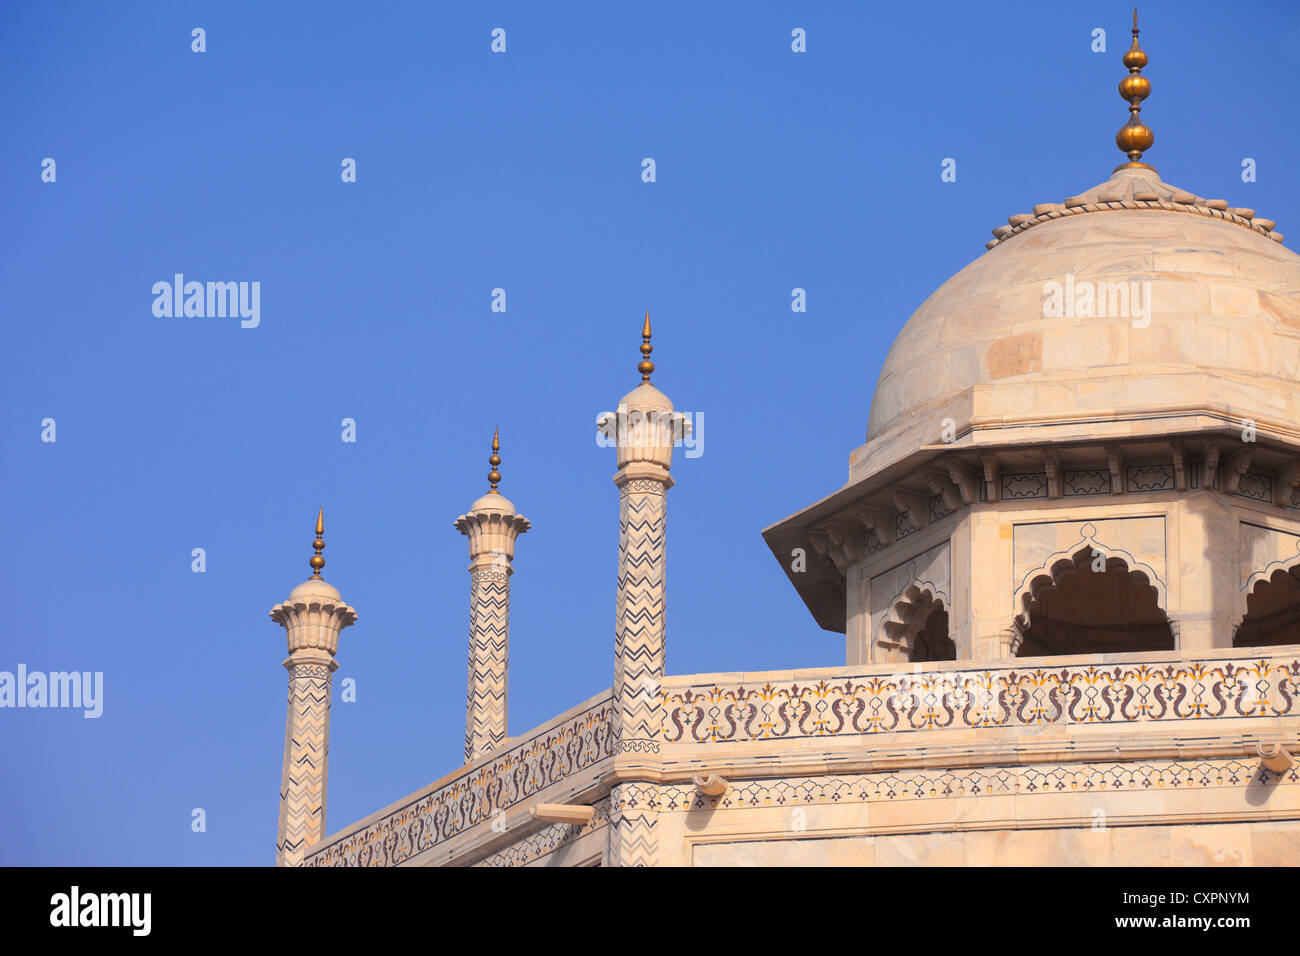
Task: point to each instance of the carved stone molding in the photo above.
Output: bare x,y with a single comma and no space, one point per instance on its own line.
1231,470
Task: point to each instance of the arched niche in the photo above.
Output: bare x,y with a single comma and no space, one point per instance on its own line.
915,629
1091,600
1272,608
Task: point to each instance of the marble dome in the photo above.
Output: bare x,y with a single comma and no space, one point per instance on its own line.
1038,334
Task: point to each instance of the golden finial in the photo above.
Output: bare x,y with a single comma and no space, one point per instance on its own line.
317,562
494,476
1134,137
646,367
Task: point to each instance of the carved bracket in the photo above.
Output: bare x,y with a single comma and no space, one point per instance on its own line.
1231,470
1115,462
990,463
917,506
940,484
1052,465
1180,465
967,482
1209,464
1287,479
880,520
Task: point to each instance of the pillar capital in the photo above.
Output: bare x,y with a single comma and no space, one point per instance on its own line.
313,616
492,527
645,428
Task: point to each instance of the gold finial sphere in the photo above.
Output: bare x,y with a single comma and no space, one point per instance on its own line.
1135,58
494,476
1134,137
1135,87
317,562
645,366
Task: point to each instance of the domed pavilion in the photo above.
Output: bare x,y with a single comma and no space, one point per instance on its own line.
1084,442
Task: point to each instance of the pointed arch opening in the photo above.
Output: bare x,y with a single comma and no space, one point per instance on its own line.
1091,602
916,628
1272,611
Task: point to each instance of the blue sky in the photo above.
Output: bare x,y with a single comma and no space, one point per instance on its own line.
476,171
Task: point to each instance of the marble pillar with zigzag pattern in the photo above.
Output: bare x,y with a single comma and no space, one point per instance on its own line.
492,527
639,650
643,431
312,619
306,757
489,658
639,653
633,826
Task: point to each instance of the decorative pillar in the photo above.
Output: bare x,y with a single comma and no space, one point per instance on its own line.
312,619
492,527
643,431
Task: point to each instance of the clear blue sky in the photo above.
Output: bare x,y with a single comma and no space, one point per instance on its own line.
775,170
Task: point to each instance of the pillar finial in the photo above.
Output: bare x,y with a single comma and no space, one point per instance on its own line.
317,562
1134,137
646,367
494,476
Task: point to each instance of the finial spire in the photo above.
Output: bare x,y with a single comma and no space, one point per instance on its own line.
646,367
317,562
494,476
1134,137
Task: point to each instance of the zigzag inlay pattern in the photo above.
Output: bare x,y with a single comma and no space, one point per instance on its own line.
306,762
489,658
633,825
639,615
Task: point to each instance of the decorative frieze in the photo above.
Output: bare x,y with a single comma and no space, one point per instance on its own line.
1255,486
1011,696
1023,781
1088,482
1030,485
549,757
1150,478
848,705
